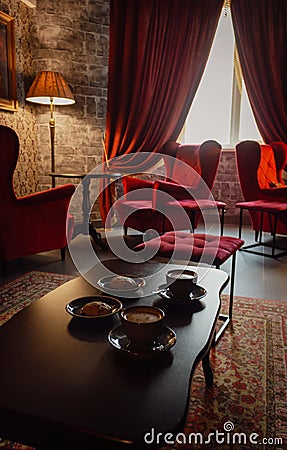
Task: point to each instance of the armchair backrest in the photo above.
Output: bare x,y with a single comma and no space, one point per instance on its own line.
203,158
209,154
280,153
260,166
9,151
266,172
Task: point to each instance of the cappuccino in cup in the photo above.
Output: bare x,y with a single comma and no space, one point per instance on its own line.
142,324
142,317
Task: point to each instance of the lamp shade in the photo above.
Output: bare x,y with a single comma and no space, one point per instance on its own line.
50,87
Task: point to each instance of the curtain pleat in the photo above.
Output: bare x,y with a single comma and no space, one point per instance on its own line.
260,29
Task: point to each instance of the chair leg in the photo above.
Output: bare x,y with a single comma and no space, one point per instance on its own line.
163,225
261,226
192,220
274,236
232,280
63,254
240,223
125,231
222,221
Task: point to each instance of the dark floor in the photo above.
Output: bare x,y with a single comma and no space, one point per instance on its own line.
256,276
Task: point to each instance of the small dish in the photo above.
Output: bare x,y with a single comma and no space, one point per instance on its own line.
119,340
75,307
197,293
105,284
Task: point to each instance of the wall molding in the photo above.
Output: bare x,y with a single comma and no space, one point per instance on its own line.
30,3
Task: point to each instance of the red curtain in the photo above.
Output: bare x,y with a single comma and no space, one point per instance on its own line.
158,52
261,36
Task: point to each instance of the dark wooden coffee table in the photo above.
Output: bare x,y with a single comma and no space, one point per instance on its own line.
63,386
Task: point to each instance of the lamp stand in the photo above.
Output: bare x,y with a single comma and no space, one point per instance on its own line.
105,151
52,135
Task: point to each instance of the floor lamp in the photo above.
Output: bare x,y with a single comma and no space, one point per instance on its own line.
50,88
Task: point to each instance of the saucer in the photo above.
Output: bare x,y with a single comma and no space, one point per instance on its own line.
75,307
197,293
119,340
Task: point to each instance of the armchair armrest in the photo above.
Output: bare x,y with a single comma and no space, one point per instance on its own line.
50,195
131,184
177,191
135,185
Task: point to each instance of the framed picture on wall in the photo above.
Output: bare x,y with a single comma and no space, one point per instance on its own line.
8,91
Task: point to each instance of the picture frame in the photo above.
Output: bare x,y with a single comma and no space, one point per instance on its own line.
8,87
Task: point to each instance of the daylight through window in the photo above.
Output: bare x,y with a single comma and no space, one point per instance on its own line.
219,110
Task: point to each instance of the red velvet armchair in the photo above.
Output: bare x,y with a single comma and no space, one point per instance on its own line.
190,189
260,170
156,204
34,223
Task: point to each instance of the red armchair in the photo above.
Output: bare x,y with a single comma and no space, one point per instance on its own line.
136,209
260,170
147,203
190,189
34,223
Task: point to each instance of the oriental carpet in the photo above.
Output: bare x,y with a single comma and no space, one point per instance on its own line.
247,405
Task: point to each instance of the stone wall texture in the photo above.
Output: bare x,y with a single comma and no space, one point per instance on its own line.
227,186
23,120
72,37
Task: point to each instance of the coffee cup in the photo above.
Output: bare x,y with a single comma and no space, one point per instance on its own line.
142,324
181,282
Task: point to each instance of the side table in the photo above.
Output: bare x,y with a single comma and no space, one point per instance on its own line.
86,204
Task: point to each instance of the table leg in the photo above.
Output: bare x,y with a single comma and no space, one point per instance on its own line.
207,370
86,205
97,238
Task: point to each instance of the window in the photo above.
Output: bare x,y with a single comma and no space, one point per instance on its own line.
219,110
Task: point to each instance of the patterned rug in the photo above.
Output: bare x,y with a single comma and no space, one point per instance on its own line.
247,406
23,291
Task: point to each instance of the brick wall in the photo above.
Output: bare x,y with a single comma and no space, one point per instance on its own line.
22,120
71,37
226,186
